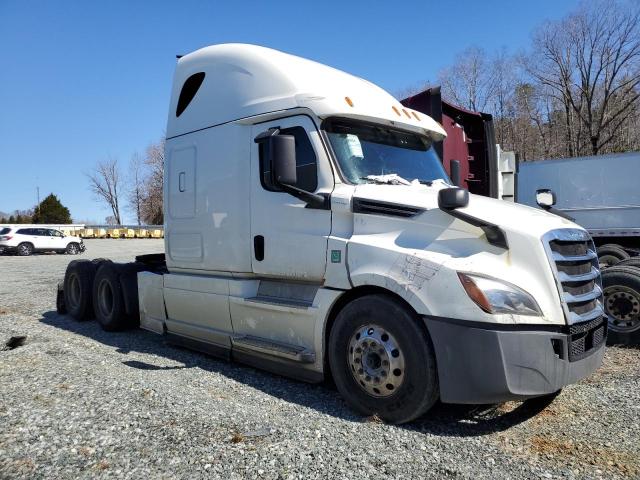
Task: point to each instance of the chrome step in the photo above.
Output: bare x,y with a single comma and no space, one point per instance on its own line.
284,302
296,353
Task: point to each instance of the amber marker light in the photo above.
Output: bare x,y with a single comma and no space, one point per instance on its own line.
415,115
396,110
406,113
474,292
349,101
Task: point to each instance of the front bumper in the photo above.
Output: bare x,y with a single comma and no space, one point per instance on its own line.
492,364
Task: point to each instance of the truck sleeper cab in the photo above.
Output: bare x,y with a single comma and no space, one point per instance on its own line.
311,230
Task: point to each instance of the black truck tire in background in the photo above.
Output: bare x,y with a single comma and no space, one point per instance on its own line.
78,288
621,286
610,254
629,262
373,331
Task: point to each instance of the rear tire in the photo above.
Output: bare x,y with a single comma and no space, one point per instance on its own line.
108,300
73,249
78,288
621,285
25,249
382,359
611,254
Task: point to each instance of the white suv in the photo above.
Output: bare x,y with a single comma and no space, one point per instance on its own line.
25,241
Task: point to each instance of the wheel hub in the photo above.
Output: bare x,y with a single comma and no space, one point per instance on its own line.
376,361
623,306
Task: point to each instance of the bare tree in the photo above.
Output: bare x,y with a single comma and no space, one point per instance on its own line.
135,194
104,182
469,82
152,210
591,63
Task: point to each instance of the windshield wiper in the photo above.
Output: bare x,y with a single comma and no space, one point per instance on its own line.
389,179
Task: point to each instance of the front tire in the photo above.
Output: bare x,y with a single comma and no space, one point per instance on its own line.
25,249
382,359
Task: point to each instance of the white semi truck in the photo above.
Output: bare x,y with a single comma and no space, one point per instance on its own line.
311,230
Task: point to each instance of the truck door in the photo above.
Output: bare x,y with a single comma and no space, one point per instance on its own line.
289,240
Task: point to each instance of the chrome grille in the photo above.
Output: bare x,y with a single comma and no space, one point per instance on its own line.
574,262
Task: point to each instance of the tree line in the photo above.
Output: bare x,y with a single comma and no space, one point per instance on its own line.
575,92
136,186
49,211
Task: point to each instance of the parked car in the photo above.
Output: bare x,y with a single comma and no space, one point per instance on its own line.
25,241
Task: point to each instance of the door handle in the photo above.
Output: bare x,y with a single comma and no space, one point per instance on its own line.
181,182
258,247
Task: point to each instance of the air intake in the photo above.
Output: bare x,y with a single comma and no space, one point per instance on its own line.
374,207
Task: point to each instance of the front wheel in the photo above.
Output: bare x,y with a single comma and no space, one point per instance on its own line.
382,359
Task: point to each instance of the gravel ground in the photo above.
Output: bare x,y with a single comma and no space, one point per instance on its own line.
77,402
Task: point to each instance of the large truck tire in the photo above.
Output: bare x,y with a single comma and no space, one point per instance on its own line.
78,288
382,359
610,254
629,262
621,285
108,299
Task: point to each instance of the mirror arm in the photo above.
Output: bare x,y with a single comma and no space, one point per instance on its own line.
560,213
313,200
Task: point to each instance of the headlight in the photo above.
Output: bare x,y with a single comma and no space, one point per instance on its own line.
494,296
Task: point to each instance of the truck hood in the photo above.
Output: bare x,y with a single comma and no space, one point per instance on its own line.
402,240
509,216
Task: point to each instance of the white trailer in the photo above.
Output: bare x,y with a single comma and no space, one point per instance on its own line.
601,194
310,230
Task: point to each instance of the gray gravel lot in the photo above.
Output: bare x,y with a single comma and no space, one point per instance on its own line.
77,402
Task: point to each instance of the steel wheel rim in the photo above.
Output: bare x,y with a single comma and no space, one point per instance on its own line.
623,308
376,361
74,290
105,298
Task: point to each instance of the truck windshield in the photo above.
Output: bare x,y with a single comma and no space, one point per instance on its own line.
375,153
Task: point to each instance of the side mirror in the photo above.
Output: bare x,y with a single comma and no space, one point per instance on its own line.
281,150
545,198
452,198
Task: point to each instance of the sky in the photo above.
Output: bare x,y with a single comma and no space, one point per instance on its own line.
81,81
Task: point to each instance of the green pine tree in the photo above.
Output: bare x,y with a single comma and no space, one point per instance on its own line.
12,219
50,210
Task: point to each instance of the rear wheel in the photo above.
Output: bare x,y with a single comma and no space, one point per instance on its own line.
25,249
108,299
78,286
621,285
610,254
73,248
382,359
